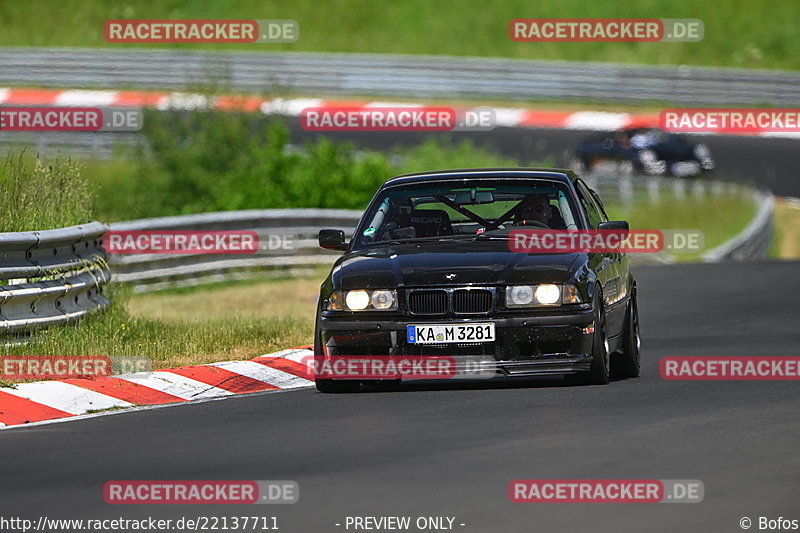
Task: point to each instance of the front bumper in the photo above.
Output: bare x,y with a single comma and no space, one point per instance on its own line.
530,345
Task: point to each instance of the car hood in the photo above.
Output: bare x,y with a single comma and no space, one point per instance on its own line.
448,264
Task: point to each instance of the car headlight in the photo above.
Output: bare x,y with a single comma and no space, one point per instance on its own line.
363,300
357,300
519,295
382,299
547,294
538,295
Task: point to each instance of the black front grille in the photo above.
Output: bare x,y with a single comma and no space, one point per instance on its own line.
428,302
472,301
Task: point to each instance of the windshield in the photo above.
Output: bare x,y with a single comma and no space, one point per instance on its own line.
466,209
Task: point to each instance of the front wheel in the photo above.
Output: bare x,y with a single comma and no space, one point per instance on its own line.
600,369
628,364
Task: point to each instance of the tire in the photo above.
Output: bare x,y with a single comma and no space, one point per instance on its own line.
337,386
600,369
628,364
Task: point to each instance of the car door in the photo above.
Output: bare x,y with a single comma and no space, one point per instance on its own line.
606,263
615,265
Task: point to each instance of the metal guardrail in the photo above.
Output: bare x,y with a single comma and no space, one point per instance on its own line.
95,144
297,227
396,75
54,276
754,241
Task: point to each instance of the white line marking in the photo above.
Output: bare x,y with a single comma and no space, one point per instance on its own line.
137,408
785,134
298,355
176,385
259,372
289,106
506,116
187,101
65,397
284,380
596,120
86,98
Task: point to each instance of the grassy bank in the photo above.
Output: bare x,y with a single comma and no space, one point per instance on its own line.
732,211
738,33
127,329
786,242
37,196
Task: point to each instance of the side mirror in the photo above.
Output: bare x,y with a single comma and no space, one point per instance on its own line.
332,239
619,225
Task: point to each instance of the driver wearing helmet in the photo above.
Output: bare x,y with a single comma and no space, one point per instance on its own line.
532,209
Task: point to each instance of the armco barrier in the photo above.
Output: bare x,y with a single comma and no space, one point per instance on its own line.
754,241
53,276
58,276
396,75
157,271
299,228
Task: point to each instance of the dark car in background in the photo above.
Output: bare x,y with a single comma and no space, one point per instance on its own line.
648,151
429,272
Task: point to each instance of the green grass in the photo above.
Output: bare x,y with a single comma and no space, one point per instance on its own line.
170,343
206,162
786,228
38,196
738,33
719,217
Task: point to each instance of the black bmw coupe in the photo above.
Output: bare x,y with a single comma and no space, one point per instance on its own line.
429,272
647,151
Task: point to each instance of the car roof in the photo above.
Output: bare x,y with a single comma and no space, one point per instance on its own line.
559,174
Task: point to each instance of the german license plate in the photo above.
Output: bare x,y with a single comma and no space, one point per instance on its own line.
446,333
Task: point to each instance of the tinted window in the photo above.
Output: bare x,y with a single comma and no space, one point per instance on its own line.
592,211
465,208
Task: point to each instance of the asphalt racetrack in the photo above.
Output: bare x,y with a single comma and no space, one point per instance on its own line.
451,450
